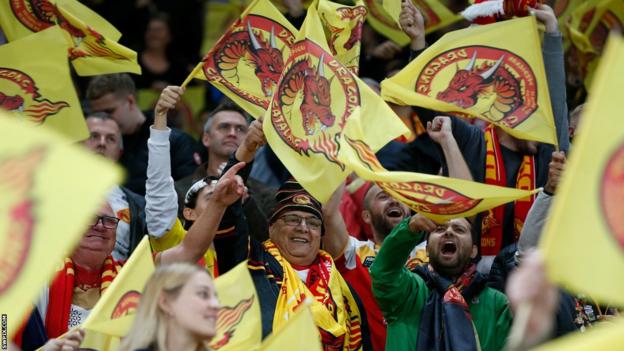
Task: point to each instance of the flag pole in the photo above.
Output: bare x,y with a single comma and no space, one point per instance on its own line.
193,73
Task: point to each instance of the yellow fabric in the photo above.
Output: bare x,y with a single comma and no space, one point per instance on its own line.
36,204
122,296
91,40
382,22
586,216
294,293
306,152
343,30
605,336
234,72
174,236
435,14
299,333
34,69
515,96
239,320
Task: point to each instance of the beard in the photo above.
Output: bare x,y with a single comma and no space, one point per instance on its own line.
381,225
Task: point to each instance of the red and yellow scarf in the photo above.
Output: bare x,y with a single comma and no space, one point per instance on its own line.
62,292
333,306
492,223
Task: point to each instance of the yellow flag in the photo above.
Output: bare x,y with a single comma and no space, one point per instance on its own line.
114,312
300,333
92,41
247,61
239,324
588,27
315,99
50,191
436,197
604,336
384,17
343,30
35,83
586,222
473,72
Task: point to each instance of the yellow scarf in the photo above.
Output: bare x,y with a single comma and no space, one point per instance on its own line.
333,306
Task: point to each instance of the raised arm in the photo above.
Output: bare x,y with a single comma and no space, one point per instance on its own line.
392,282
413,24
161,201
336,235
440,130
197,240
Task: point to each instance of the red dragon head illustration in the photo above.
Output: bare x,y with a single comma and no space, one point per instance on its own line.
47,12
267,59
11,103
468,83
316,104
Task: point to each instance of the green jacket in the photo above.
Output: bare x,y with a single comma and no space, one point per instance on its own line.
401,296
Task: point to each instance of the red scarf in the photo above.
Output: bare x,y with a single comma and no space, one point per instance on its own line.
62,293
492,223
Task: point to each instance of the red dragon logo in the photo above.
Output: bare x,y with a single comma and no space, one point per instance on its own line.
352,19
16,182
257,42
419,196
503,91
612,193
21,94
127,304
227,321
305,94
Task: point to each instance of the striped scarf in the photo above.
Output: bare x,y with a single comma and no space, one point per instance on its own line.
62,293
492,223
334,308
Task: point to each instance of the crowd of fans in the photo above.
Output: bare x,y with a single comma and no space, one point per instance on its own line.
379,276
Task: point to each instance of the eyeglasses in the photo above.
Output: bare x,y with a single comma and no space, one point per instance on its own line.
294,220
107,221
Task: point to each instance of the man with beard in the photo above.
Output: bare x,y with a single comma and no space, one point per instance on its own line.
443,305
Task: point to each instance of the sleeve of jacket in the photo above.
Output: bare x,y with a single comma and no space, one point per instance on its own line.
161,200
552,51
391,281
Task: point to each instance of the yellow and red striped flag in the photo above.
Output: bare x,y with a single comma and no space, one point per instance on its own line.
91,40
35,83
44,208
247,61
343,30
475,73
315,99
587,219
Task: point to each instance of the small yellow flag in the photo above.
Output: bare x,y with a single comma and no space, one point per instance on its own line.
91,40
114,312
384,17
44,208
239,324
605,336
314,101
35,83
586,222
473,72
343,30
247,61
300,333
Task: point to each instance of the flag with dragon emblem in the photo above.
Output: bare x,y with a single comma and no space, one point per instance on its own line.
314,100
39,195
343,30
239,325
383,16
472,72
35,84
247,61
300,333
115,310
436,197
587,213
91,40
587,28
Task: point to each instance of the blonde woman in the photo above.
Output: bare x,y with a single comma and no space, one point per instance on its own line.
178,311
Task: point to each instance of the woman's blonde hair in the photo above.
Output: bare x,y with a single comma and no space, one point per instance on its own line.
149,327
